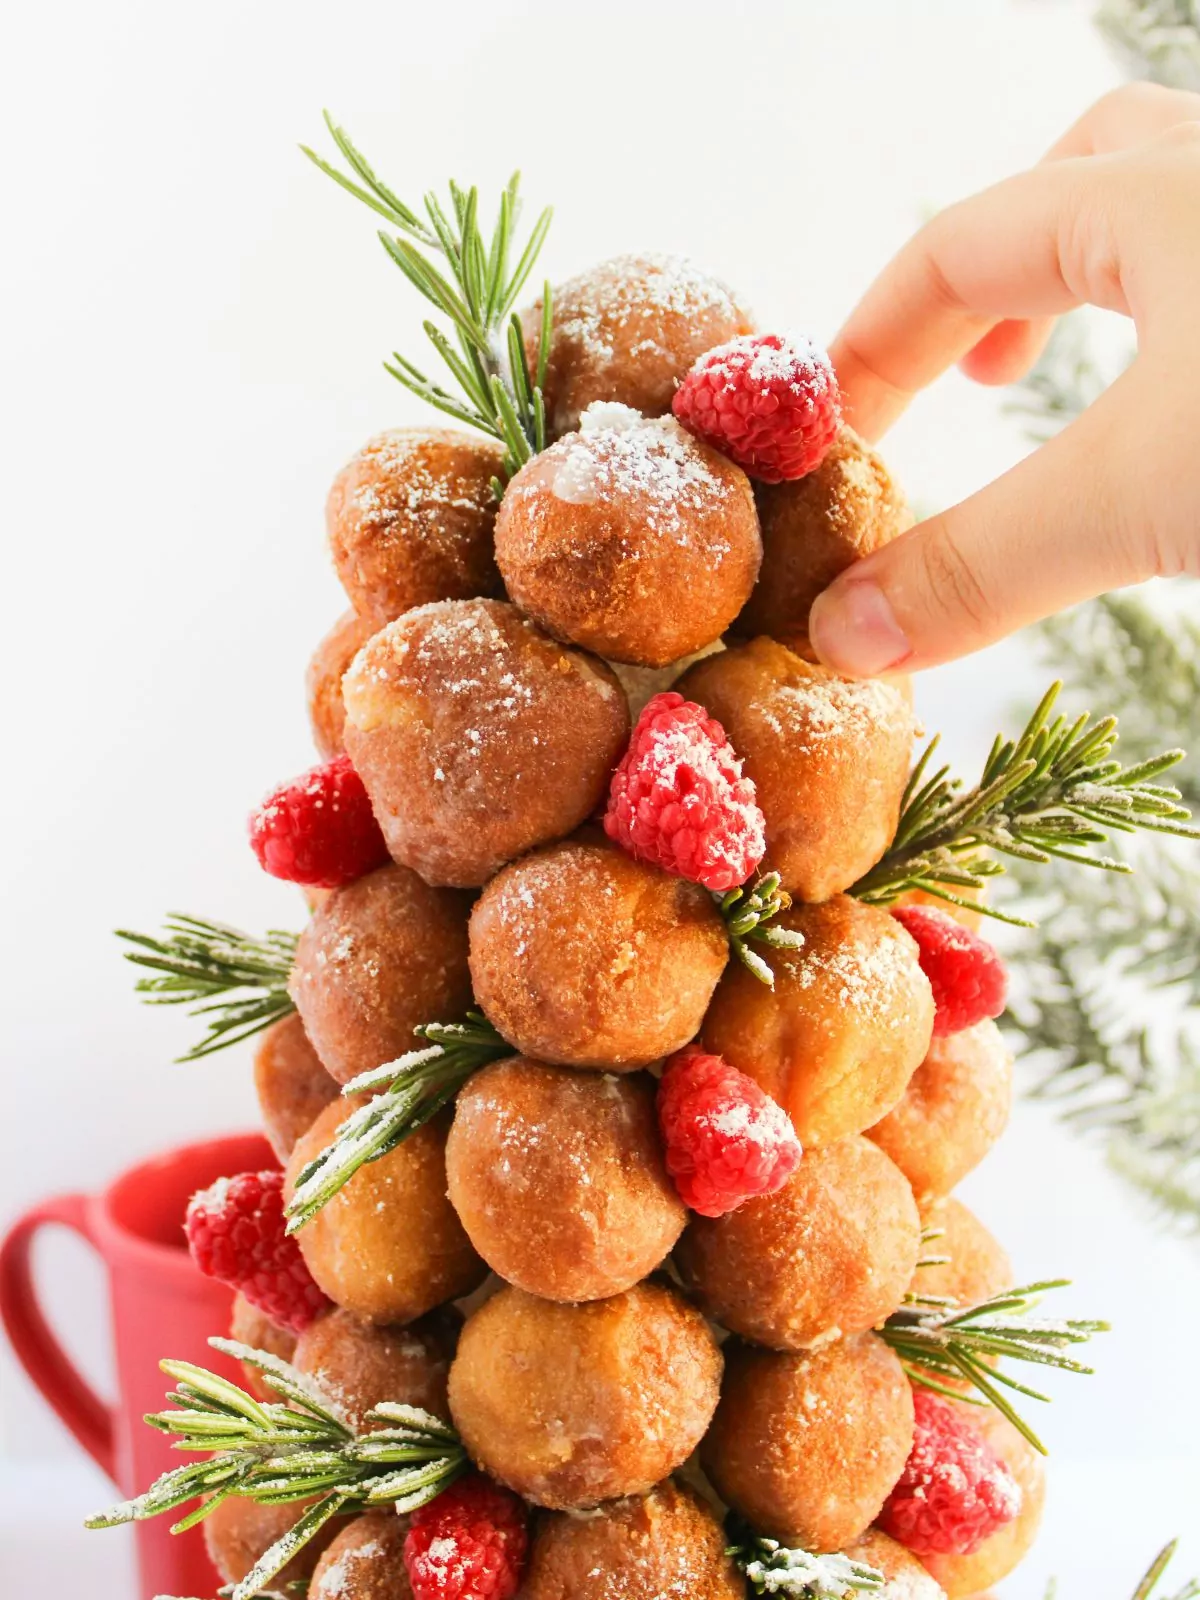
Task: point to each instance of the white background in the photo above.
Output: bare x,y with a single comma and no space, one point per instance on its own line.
193,326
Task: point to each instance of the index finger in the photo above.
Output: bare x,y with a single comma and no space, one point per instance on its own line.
993,256
890,348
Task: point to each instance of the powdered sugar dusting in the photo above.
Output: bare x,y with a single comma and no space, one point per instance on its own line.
630,294
621,458
816,709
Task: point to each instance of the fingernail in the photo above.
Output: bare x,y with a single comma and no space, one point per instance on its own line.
854,630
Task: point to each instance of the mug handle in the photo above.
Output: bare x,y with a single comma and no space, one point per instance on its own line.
37,1347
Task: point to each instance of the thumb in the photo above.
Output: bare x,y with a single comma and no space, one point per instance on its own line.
1063,525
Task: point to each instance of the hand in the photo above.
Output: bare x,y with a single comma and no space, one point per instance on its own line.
1111,218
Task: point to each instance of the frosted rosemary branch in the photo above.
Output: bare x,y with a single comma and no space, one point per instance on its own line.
773,1568
1054,791
938,1342
287,1453
415,1088
196,962
749,914
470,278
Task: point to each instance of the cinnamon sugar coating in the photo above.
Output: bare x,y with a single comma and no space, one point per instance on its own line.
378,958
955,1107
582,956
239,1531
829,758
570,1405
323,681
364,1562
815,527
666,1545
630,538
808,1447
904,1578
978,1267
359,1364
848,1022
998,1555
292,1086
628,330
410,520
389,1246
250,1326
831,1253
478,736
558,1178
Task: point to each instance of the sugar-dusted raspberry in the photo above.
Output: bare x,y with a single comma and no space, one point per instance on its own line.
237,1234
468,1544
967,975
770,404
955,1491
679,801
726,1141
319,829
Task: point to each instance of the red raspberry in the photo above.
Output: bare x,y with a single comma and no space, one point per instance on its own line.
319,829
966,972
679,801
768,403
726,1141
468,1544
954,1491
237,1234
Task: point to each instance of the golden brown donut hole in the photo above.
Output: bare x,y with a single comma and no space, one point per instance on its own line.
250,1326
378,958
829,758
646,1547
848,1022
359,1365
558,1178
239,1531
808,1447
628,330
630,538
389,1246
582,956
978,1267
998,1556
814,528
410,520
955,1107
364,1562
904,1578
572,1405
292,1086
831,1253
478,736
330,662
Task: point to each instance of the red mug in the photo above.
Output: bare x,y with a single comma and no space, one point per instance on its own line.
161,1306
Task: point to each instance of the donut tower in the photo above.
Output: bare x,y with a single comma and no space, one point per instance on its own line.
619,1110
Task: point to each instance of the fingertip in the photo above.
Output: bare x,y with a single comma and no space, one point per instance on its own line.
870,404
1007,352
854,630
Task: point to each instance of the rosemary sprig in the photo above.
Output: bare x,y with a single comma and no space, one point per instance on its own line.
749,912
1152,1575
415,1088
196,961
283,1453
773,1568
937,1342
1052,792
469,277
